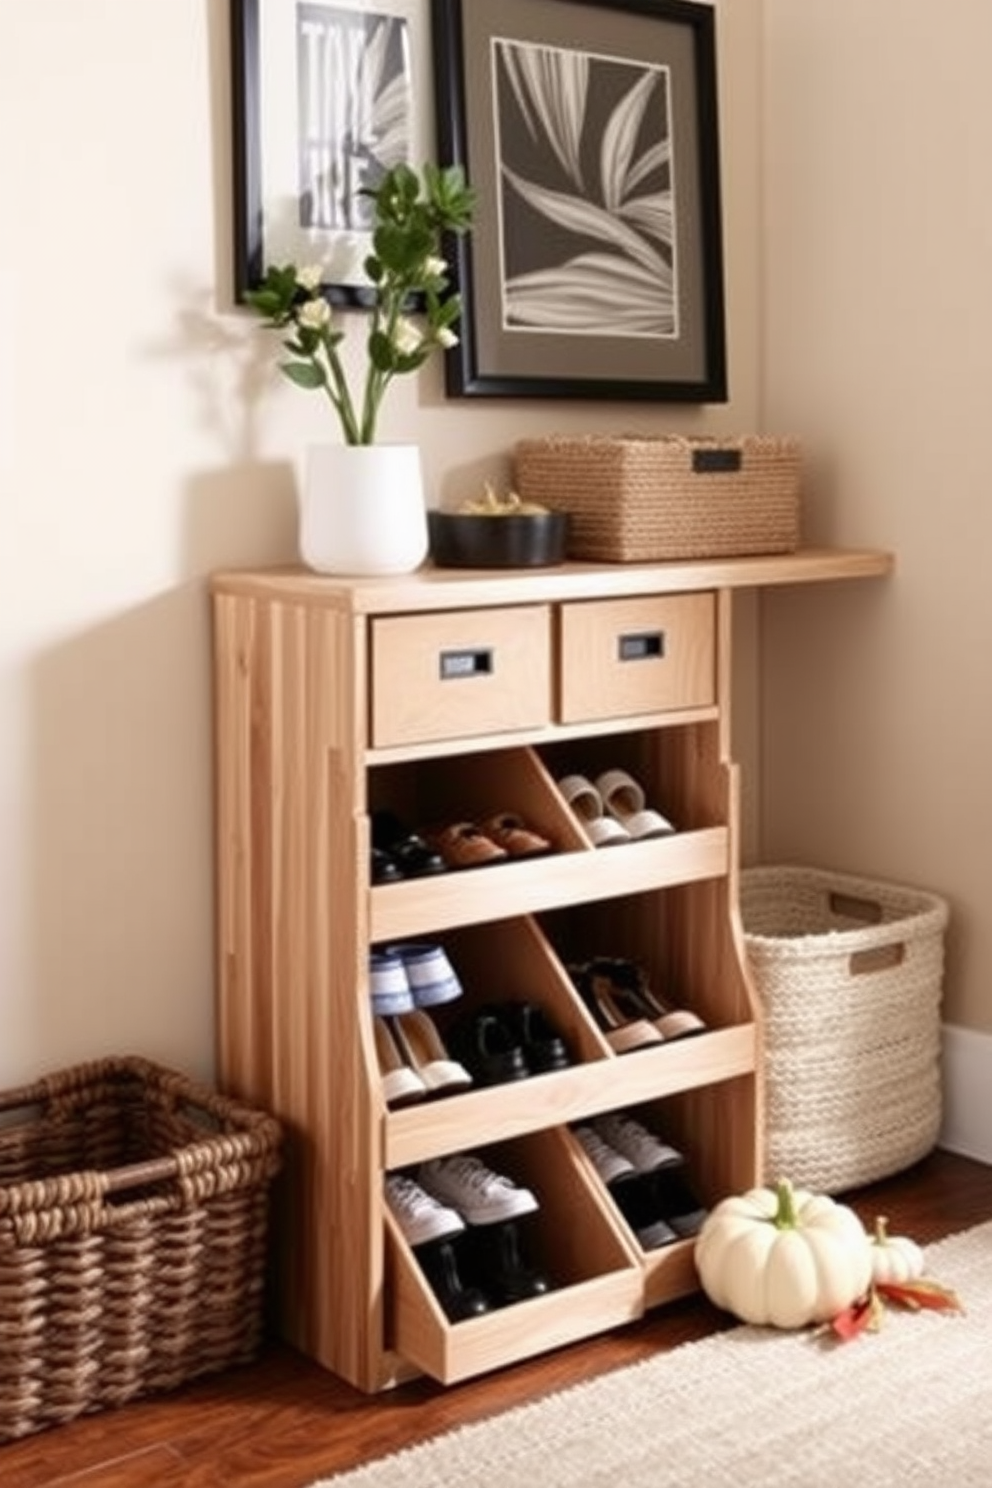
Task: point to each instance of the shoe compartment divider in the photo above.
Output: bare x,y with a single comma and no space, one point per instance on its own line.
510,960
517,958
495,963
662,931
575,1239
433,793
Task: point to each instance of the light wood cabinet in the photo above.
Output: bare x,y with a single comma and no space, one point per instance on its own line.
449,696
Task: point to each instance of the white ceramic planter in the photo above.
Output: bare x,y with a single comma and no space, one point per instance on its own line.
361,509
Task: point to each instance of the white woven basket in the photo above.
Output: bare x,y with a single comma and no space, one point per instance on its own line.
850,974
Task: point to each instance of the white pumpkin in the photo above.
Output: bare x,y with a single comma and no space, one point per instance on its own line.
894,1258
783,1257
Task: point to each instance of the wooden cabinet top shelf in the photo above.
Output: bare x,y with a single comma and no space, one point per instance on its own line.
441,589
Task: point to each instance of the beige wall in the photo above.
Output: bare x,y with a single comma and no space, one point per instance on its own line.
877,259
144,443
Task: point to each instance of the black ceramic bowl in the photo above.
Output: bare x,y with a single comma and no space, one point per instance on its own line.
467,540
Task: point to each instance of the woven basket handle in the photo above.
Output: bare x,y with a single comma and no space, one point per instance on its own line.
870,912
239,1147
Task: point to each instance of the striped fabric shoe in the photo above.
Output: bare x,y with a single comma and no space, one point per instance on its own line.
430,974
389,986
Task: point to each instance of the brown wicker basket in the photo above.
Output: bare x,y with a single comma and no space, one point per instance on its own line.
133,1218
645,500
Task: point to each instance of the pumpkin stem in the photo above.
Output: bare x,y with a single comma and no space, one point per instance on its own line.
785,1215
881,1236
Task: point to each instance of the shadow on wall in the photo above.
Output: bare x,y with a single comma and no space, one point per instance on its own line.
120,865
119,862
241,516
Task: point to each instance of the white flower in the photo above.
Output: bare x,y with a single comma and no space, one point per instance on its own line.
435,267
406,337
445,337
314,314
309,276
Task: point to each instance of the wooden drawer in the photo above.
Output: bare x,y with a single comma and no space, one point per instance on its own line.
626,656
460,673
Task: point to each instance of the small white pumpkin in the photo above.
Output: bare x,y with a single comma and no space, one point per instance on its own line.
783,1257
894,1258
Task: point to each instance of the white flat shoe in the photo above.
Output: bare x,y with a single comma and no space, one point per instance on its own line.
587,805
623,800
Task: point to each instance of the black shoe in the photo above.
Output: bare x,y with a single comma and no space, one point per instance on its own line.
408,851
543,1046
439,1262
638,1202
677,1202
499,1266
383,868
488,1049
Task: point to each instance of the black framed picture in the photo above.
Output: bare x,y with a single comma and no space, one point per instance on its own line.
590,134
326,98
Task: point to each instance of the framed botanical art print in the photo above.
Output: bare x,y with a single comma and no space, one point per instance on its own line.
589,132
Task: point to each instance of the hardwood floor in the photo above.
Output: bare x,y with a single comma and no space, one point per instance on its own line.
283,1422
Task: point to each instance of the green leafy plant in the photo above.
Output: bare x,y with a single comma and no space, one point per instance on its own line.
411,215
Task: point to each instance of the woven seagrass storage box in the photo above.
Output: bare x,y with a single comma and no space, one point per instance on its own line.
645,500
849,973
133,1221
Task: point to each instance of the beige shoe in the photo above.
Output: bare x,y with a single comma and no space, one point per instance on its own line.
401,1085
421,1046
621,986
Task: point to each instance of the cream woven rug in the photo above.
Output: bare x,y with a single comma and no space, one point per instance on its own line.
908,1407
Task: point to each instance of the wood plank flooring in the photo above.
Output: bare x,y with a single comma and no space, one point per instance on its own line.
283,1422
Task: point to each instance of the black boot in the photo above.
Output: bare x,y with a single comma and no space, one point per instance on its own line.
439,1263
499,1264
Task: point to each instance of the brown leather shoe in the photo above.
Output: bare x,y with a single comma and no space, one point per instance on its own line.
510,832
464,845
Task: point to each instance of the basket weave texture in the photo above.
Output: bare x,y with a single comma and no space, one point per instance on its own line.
849,973
133,1218
644,500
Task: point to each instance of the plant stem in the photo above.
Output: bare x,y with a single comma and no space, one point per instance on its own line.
341,398
377,381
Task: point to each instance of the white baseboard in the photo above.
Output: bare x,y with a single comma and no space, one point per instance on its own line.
967,1123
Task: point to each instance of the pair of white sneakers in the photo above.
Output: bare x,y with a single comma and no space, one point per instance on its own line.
646,1178
621,1147
448,1193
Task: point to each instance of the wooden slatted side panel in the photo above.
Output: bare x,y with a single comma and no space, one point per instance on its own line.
718,1126
242,888
294,1032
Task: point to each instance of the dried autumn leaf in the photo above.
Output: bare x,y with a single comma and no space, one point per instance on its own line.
920,1294
864,1316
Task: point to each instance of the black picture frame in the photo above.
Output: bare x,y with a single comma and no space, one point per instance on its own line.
589,131
298,116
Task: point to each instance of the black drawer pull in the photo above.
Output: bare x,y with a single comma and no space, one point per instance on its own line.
641,646
456,664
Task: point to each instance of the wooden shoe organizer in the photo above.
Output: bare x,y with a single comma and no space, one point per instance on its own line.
449,698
